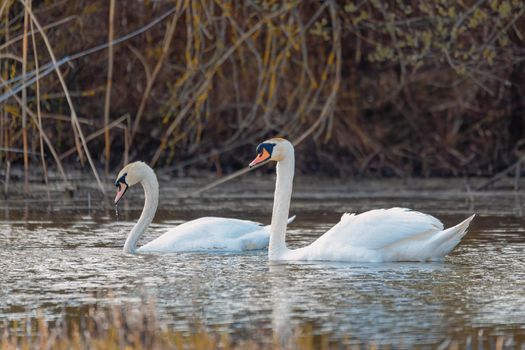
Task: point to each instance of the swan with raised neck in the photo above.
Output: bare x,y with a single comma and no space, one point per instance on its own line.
395,234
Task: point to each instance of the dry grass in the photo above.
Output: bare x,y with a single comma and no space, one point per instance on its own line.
137,327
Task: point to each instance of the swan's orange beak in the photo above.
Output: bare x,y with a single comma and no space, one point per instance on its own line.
122,188
261,157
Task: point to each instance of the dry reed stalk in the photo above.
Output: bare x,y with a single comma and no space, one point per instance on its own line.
142,61
6,177
11,57
3,117
38,111
2,126
126,129
44,136
5,124
107,101
24,98
74,119
5,4
168,37
65,118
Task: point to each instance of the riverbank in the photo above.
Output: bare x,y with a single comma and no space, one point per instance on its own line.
458,195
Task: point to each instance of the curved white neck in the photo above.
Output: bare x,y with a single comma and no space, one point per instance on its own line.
151,194
281,207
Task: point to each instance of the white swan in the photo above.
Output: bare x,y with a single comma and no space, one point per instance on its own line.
395,234
208,233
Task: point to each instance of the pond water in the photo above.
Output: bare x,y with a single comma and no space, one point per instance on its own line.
54,258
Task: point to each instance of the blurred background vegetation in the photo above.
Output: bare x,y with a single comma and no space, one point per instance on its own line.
391,88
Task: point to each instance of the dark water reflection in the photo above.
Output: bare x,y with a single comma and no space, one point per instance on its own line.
51,259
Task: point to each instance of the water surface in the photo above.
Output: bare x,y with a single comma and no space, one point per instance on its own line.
54,259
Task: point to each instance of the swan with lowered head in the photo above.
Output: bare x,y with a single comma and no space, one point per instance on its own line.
395,234
203,234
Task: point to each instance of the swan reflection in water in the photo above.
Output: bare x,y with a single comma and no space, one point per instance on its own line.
376,302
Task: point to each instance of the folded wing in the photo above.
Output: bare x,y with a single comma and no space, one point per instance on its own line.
380,228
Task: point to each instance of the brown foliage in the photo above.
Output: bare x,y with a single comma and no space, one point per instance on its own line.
391,88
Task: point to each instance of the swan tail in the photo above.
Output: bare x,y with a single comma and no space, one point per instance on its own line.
448,239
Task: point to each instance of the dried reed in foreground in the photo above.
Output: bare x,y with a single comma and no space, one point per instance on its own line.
132,327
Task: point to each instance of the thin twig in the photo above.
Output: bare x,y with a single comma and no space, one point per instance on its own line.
8,56
107,101
223,180
96,134
46,27
18,150
501,174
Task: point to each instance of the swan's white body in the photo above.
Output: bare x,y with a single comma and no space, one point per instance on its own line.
395,234
210,233
204,234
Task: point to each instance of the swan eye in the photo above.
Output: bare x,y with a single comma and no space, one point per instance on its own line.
265,146
264,153
121,180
